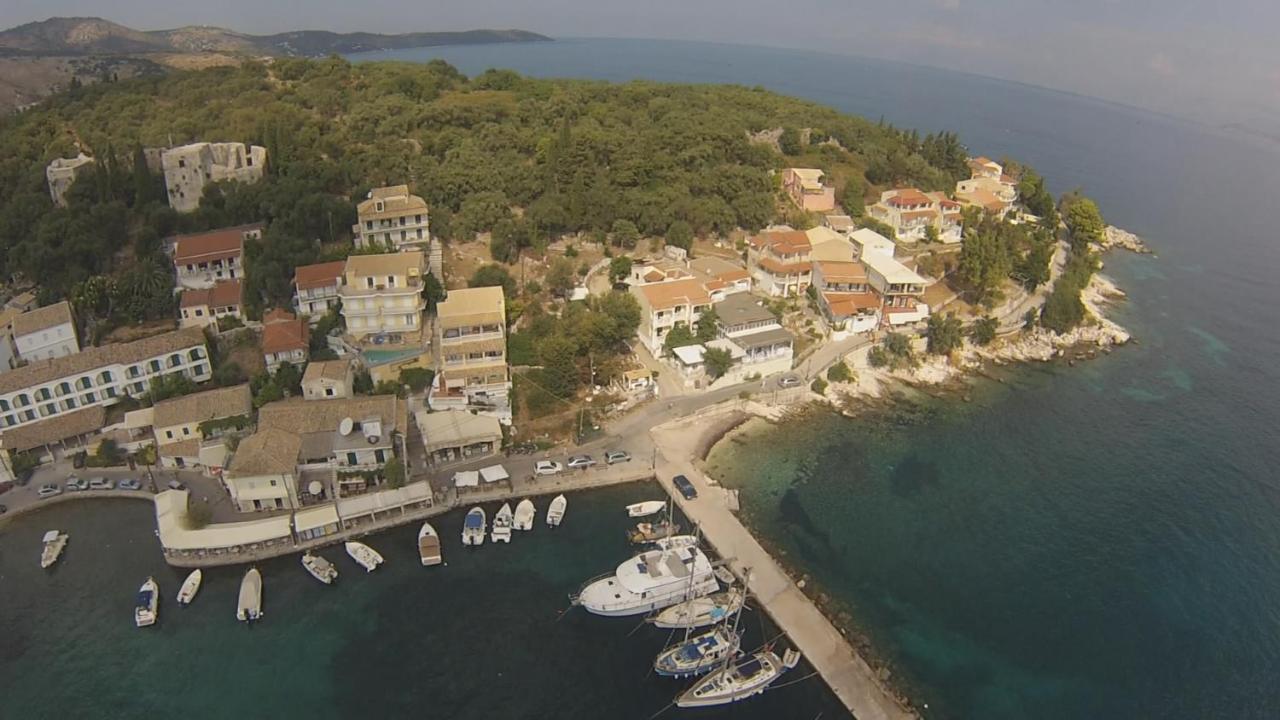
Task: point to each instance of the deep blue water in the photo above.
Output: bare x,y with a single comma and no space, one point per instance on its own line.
1097,541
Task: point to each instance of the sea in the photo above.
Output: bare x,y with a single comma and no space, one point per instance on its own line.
1097,540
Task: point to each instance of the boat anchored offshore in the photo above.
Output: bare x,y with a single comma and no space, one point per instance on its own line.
147,609
55,541
365,556
249,606
701,611
525,512
319,568
502,524
555,511
650,581
473,527
190,587
739,679
429,545
645,509
652,532
698,654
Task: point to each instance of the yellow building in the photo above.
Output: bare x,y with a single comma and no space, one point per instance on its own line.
392,218
471,350
382,299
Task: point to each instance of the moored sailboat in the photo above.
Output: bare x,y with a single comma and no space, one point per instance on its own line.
739,679
701,611
190,587
698,654
646,532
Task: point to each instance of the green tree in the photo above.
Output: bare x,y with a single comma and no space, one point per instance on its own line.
789,141
619,268
170,386
559,368
678,336
418,379
494,276
289,378
625,234
984,330
717,361
852,196
432,291
1084,221
393,473
560,279
946,334
708,325
931,234
680,234
839,372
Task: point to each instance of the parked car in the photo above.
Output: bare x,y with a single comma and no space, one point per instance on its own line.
101,483
77,460
4,509
617,456
75,483
581,462
129,484
789,381
685,487
48,490
547,467
175,485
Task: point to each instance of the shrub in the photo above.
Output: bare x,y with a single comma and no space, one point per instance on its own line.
984,330
839,372
818,385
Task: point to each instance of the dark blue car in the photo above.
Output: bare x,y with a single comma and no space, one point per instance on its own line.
685,487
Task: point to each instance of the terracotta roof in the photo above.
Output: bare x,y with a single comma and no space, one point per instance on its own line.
275,315
783,242
326,370
661,296
183,448
307,277
733,275
842,271
906,197
983,198
267,452
396,200
224,293
43,318
780,268
198,407
213,245
845,304
92,358
305,416
654,276
54,429
285,335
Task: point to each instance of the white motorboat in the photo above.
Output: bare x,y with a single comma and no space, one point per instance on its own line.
555,512
473,527
147,609
676,541
55,542
429,545
650,581
525,512
698,654
502,524
645,509
701,611
365,556
319,568
249,607
739,679
190,587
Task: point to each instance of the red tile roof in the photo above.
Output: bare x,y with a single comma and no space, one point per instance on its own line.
307,277
213,245
907,197
284,335
845,304
222,294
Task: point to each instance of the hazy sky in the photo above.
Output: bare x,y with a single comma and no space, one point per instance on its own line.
1212,60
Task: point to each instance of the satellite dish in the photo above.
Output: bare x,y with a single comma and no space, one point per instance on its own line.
346,426
373,439
315,488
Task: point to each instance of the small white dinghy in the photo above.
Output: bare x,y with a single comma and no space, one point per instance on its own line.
249,607
525,513
190,587
701,611
502,524
365,556
555,513
147,609
429,545
473,527
645,509
319,568
55,541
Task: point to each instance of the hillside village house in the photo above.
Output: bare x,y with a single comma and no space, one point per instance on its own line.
202,308
262,474
845,296
718,276
663,305
899,288
781,260
328,380
315,288
61,175
285,339
909,211
804,187
393,218
471,344
988,187
202,259
45,333
382,299
762,346
842,224
181,442
869,241
187,169
453,435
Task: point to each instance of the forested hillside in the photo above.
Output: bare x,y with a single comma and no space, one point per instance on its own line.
531,158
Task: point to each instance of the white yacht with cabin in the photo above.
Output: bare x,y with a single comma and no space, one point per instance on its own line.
55,541
739,679
645,509
701,611
650,581
147,609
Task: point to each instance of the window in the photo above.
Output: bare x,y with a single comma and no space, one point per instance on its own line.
199,312
22,400
84,383
64,388
4,405
328,392
391,281
89,398
186,431
351,458
154,365
380,456
379,206
28,415
9,420
168,434
111,392
182,162
196,354
368,282
273,482
105,377
44,394
175,360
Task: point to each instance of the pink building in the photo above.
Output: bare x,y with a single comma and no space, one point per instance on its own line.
804,187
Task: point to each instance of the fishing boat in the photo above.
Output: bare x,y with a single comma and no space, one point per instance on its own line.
555,512
429,545
365,556
502,524
54,543
525,513
319,568
645,509
698,654
473,527
701,611
249,607
739,679
147,609
190,587
676,541
650,581
647,532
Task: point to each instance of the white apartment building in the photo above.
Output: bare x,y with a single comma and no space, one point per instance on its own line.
45,333
664,305
392,218
315,288
202,259
382,299
471,343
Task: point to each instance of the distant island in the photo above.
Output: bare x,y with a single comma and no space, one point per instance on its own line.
38,58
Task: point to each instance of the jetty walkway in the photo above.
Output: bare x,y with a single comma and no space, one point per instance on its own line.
848,674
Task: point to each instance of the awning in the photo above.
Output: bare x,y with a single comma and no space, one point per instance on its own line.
171,515
315,517
466,478
494,473
384,500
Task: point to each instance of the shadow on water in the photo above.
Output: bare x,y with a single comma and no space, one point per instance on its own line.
914,475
